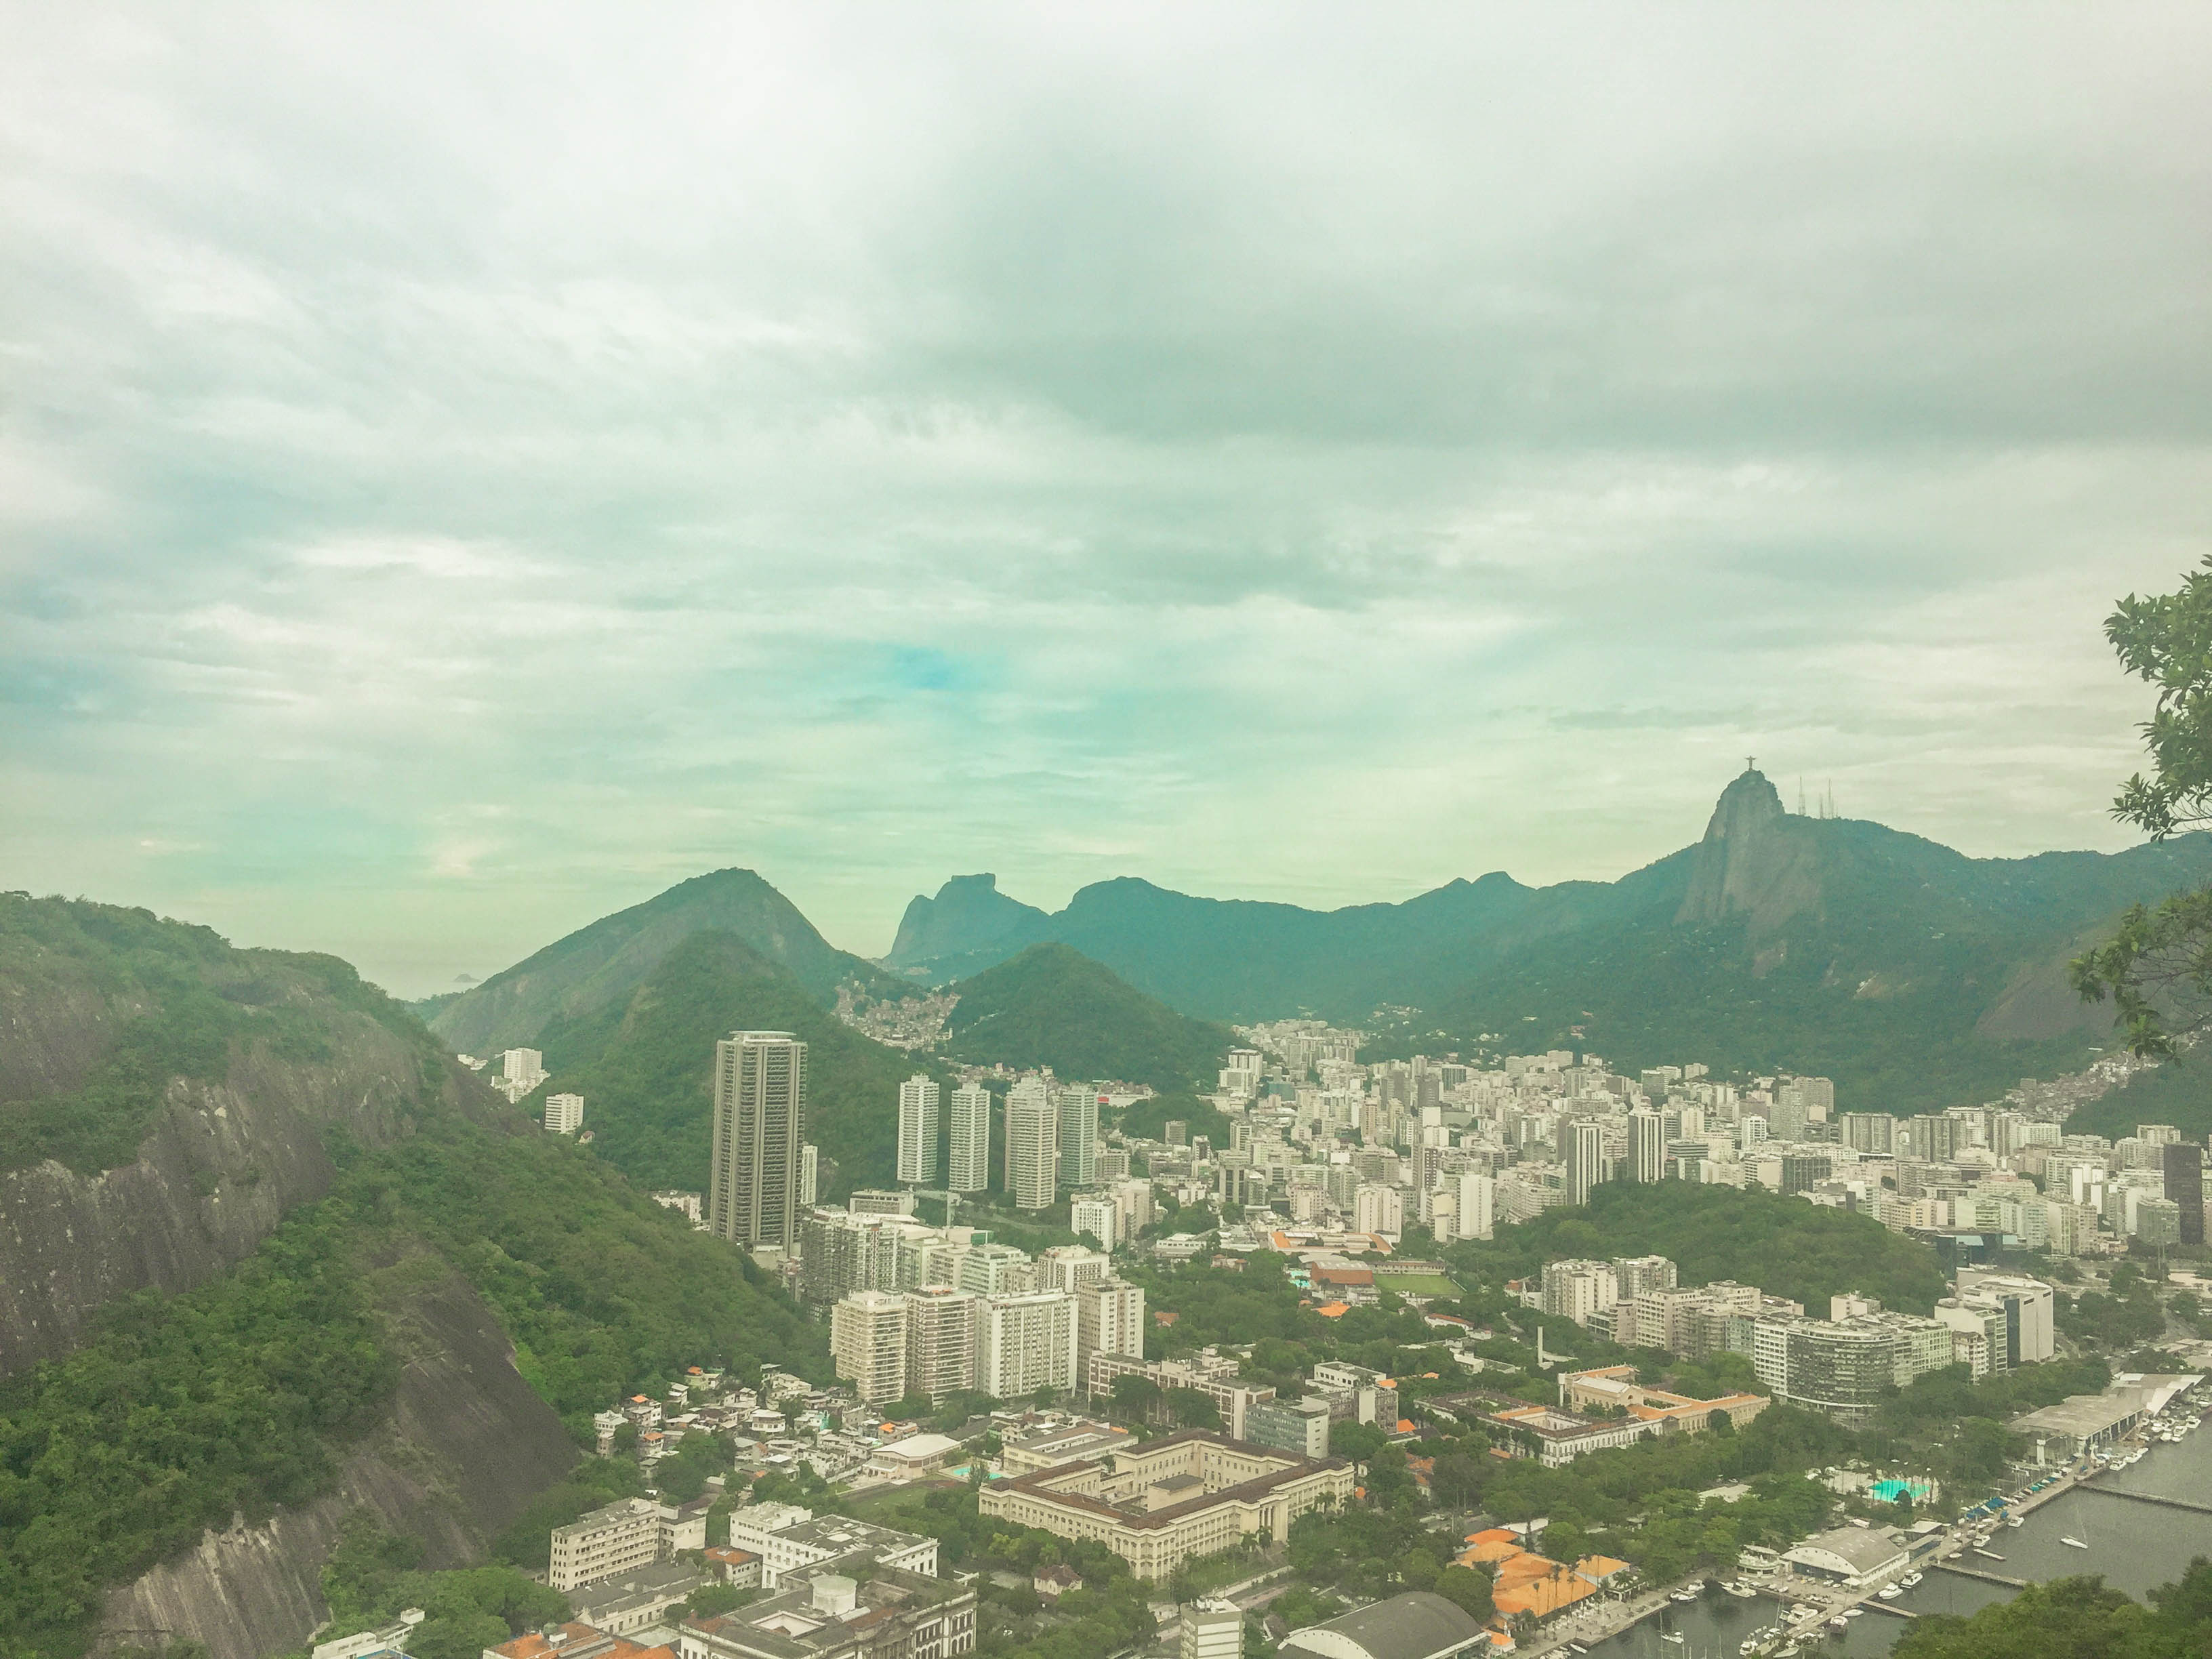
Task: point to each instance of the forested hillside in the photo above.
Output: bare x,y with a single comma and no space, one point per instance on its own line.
600,966
1915,976
393,1195
645,1066
1052,1006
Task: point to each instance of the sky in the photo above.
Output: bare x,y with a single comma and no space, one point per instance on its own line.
464,470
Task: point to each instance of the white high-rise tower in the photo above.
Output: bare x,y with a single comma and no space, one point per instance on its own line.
917,1130
756,1175
970,1137
1032,1144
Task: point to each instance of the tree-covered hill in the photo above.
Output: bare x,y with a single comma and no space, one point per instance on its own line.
600,966
2177,1091
229,1319
1785,1246
645,1065
1915,976
1053,1006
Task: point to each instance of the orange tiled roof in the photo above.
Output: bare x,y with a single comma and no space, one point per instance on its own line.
1333,1310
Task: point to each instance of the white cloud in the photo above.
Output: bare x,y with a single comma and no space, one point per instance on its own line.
463,471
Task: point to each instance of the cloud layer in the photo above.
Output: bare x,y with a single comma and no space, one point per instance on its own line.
460,475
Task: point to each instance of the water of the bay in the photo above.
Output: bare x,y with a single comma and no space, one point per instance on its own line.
2136,1546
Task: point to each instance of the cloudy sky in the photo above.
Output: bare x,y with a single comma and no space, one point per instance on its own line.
460,474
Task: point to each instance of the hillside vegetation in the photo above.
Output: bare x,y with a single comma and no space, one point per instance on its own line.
1052,1006
245,1394
600,966
2177,1091
1785,1246
106,1006
645,1067
1915,976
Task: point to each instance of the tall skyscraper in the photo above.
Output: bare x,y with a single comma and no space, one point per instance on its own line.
970,1139
917,1130
1585,1157
1078,1137
755,1186
2182,1167
1647,1146
1032,1144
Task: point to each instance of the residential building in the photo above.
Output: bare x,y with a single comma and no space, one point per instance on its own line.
917,1130
619,1538
1078,1137
1212,1374
1379,1210
1583,1155
1098,1216
1109,1318
1210,1629
2028,1307
1026,1343
564,1114
1068,1267
969,1139
1292,1425
1647,1146
868,1340
1032,1144
754,1190
941,1326
2182,1168
1576,1289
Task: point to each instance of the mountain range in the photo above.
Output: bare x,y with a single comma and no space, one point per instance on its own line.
1913,974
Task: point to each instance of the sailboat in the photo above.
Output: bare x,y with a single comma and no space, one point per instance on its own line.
2073,1543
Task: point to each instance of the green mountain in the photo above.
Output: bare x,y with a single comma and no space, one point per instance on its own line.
644,1067
1912,974
266,1250
600,966
1053,1006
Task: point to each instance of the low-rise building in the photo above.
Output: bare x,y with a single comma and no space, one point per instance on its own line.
1851,1556
1159,1505
852,1606
788,1538
1418,1625
633,1600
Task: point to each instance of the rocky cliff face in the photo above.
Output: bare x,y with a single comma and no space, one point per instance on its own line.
218,1167
1755,862
466,1447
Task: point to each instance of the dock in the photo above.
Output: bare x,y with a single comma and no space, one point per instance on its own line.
2152,1498
1977,1572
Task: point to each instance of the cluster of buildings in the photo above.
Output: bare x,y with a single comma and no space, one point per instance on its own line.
1843,1365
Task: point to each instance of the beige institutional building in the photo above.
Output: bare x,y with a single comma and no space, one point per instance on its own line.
1158,1504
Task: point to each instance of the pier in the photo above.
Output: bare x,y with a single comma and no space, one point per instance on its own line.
1977,1572
2152,1498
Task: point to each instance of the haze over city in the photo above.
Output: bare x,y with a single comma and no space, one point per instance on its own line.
466,472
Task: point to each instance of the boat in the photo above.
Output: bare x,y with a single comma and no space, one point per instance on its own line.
1911,1579
2015,1521
2073,1543
1837,1623
1991,1554
1673,1636
1851,1613
1890,1592
1683,1595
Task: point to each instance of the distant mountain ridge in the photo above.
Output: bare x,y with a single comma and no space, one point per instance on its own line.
604,962
1776,940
